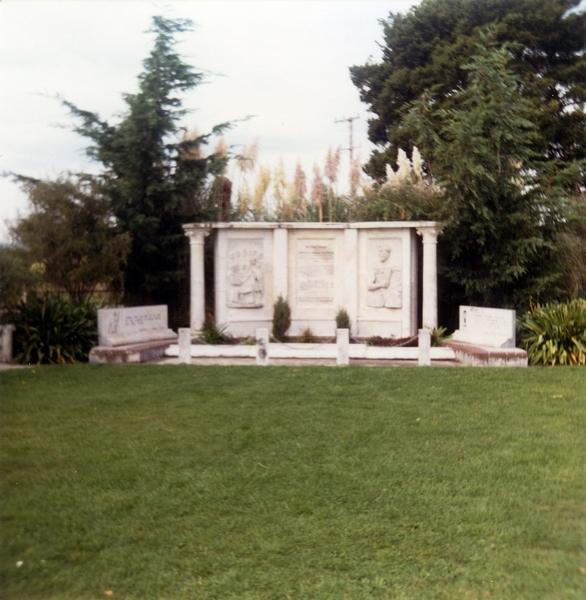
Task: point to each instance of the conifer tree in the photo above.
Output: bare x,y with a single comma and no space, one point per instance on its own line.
155,181
426,48
498,244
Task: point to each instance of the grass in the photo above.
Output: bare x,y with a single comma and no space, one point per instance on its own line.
177,482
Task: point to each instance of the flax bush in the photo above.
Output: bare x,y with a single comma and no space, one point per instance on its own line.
555,334
54,331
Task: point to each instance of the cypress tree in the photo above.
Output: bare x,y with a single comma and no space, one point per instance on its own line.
155,181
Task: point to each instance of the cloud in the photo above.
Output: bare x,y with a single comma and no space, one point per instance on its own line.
579,9
285,62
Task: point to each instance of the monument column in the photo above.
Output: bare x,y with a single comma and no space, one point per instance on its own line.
280,264
197,285
351,275
429,236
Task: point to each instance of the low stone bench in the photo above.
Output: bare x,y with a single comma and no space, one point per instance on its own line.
486,338
132,335
483,356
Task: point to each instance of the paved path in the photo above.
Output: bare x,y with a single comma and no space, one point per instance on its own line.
309,362
282,362
5,366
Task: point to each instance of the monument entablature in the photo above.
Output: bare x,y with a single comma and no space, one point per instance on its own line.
368,269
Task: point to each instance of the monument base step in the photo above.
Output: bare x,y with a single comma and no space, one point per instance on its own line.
483,356
313,352
132,353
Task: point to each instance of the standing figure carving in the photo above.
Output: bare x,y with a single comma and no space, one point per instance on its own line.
384,281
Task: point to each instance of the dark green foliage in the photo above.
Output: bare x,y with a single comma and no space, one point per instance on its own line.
555,334
281,319
343,319
492,94
503,206
571,244
69,232
212,334
155,181
426,48
54,331
439,336
15,277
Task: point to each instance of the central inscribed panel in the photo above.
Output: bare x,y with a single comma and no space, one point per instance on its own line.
315,271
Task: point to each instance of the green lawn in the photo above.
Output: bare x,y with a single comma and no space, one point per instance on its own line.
176,482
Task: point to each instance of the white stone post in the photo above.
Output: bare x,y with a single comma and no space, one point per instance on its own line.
184,346
351,275
424,348
343,343
6,348
262,346
429,235
280,264
197,288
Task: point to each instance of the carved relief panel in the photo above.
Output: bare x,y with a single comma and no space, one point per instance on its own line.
385,277
244,274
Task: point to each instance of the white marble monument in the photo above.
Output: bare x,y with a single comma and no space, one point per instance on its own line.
491,327
132,335
369,269
133,325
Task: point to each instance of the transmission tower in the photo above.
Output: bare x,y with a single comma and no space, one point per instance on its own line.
351,146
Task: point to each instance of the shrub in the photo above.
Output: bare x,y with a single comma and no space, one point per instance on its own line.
439,336
54,331
308,337
15,278
343,320
214,335
555,334
281,319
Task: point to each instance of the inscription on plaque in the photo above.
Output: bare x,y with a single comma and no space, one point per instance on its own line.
131,325
315,271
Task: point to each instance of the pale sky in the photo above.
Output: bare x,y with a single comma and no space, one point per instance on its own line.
286,62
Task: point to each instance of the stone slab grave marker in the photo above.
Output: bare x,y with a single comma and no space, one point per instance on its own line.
492,327
132,334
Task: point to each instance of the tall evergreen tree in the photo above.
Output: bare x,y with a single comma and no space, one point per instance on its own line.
426,47
498,244
155,181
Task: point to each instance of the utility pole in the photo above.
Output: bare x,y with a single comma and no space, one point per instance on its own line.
350,127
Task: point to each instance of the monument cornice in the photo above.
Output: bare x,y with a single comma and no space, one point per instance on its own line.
423,225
